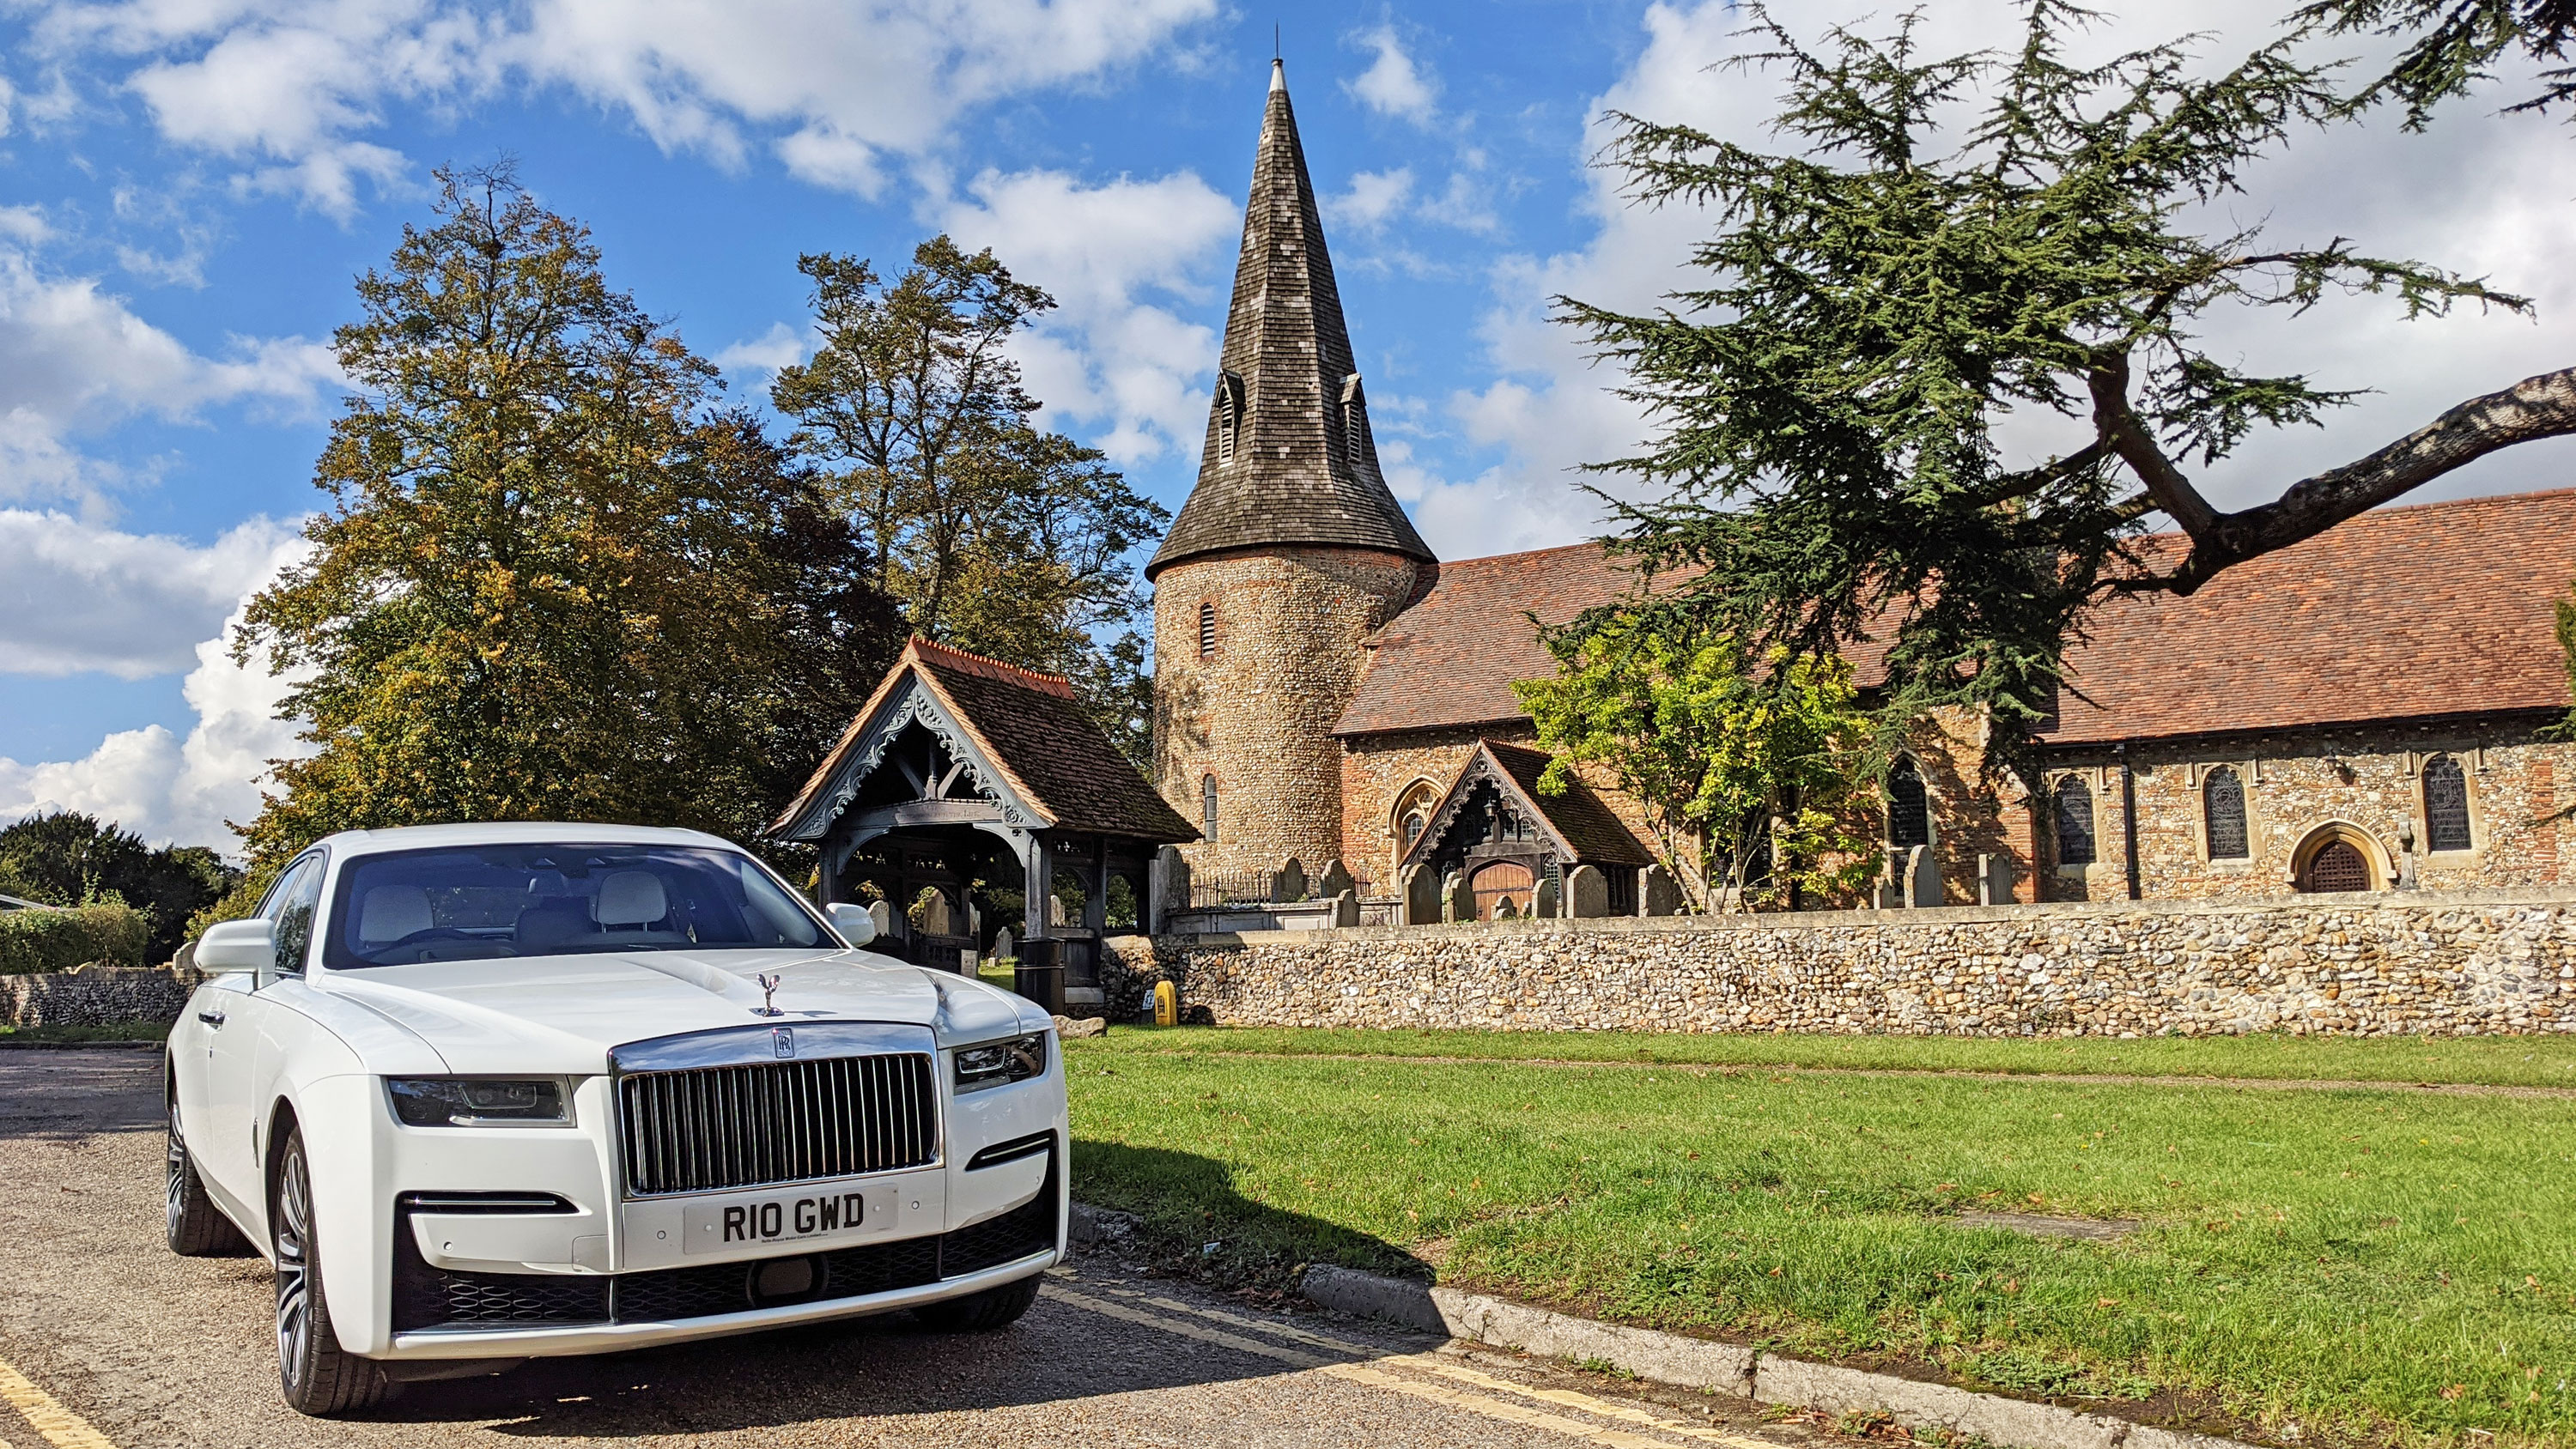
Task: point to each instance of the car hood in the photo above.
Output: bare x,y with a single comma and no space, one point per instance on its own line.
562,1014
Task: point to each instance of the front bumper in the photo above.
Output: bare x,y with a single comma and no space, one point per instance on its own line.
449,1312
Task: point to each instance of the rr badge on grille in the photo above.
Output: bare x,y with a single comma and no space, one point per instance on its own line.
783,1038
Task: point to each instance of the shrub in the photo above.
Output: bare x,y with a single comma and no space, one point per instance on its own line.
32,941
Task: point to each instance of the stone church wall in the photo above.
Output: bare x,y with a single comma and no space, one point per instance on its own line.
1377,770
2390,964
1259,715
2520,795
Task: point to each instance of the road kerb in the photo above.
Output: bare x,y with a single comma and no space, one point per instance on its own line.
1672,1358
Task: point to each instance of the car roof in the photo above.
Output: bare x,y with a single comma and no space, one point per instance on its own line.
516,832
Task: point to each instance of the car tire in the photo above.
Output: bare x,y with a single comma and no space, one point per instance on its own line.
197,1228
317,1376
981,1312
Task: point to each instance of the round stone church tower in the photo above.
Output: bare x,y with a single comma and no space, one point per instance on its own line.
1289,551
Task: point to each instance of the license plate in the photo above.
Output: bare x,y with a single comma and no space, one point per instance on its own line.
717,1227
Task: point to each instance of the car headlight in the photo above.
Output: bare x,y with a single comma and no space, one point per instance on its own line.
995,1063
479,1102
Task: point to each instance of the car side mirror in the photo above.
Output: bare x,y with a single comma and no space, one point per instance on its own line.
853,922
230,946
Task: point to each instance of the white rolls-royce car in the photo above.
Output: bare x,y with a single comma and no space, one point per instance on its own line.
483,1093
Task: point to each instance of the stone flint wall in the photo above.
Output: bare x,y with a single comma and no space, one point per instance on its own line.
95,996
2377,965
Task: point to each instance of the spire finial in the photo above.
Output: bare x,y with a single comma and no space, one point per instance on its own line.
1278,74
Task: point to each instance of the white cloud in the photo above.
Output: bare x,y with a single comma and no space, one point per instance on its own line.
1116,257
1393,85
295,90
1375,197
2481,192
75,358
165,788
778,347
75,597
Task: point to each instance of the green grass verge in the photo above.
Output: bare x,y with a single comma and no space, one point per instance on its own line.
112,1031
2370,1265
2517,1061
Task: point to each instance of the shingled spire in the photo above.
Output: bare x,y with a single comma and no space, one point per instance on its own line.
1289,459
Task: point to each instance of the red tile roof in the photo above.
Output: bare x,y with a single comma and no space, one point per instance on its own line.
1450,659
2431,609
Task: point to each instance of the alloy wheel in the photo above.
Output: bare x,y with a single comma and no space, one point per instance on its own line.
175,1184
294,1234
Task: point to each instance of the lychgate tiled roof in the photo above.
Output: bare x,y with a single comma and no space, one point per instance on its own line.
1585,824
2403,613
1302,467
1054,757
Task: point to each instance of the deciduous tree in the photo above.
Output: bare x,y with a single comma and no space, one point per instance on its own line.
997,536
1758,786
555,582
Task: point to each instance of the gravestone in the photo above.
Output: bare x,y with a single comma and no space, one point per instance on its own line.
1503,910
1172,888
934,914
1544,901
1457,903
1288,883
1658,894
1922,877
1589,890
1346,908
883,915
1004,948
1055,910
1419,896
1334,881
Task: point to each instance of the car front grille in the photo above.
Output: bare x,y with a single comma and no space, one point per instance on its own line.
441,1298
711,1129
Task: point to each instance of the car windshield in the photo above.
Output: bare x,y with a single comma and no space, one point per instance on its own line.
475,902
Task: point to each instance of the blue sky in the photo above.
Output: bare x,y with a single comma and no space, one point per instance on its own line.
186,190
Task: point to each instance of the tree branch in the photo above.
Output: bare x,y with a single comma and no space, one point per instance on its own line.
2117,423
2542,406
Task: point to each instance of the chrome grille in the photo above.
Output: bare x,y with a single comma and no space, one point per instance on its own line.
715,1128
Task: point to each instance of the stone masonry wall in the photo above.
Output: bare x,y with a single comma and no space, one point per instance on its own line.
2520,796
95,996
1259,715
2378,965
1377,770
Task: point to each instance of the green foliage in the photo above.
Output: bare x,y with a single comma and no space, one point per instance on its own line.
997,537
1757,779
69,859
555,581
2566,729
2455,45
1945,242
40,940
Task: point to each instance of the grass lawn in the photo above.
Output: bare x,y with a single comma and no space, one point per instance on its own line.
2366,1264
113,1031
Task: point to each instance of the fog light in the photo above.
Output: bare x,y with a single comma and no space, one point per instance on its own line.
784,1280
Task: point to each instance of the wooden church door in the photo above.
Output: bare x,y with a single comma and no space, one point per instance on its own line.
1503,880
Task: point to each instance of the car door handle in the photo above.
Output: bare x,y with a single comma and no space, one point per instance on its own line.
211,1018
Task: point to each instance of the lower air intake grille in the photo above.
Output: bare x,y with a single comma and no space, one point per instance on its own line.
715,1128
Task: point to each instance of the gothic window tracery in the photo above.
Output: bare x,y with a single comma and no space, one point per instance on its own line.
2222,805
2446,804
2075,840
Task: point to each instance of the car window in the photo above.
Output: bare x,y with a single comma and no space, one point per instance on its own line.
291,913
483,902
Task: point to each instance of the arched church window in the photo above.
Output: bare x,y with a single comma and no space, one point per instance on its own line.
2446,805
1413,813
1909,808
1207,807
2074,821
2222,808
1207,631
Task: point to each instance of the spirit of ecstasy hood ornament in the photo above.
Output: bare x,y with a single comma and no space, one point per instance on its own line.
768,995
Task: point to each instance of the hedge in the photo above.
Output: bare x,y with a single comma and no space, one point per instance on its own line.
32,941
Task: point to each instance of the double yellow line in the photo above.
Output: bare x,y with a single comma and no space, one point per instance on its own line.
1374,1372
52,1422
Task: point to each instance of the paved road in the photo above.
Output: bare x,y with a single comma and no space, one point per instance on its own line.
108,1340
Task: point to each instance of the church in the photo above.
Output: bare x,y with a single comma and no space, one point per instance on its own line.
2361,712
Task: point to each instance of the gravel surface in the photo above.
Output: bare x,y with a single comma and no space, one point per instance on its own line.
154,1349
